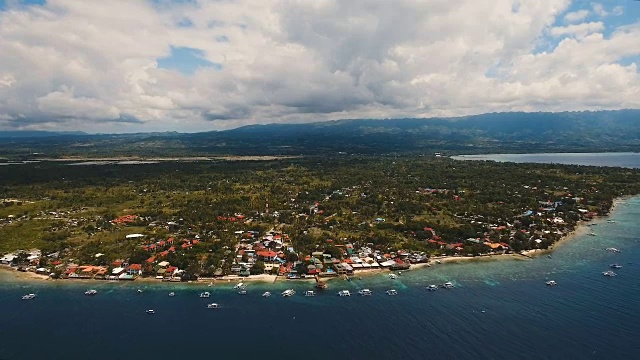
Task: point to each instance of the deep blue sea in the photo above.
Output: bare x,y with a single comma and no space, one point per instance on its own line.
628,159
500,309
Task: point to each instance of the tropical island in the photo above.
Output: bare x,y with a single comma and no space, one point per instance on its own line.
312,217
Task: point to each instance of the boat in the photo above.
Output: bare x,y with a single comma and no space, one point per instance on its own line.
91,292
212,306
392,292
151,311
205,294
266,294
239,286
611,221
172,294
612,249
432,287
591,234
289,292
551,283
210,284
139,291
549,256
609,273
438,262
344,293
393,276
399,273
365,292
29,297
309,293
242,292
447,285
615,266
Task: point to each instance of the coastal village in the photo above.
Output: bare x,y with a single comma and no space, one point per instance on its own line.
274,252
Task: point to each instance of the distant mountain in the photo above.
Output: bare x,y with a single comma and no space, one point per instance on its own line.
37,133
597,131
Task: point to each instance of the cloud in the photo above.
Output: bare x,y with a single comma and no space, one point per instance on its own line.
579,30
114,66
576,16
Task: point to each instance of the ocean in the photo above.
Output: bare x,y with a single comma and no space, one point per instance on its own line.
499,309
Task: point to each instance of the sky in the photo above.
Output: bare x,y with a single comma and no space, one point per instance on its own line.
122,66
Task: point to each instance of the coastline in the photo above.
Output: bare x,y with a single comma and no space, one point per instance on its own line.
580,230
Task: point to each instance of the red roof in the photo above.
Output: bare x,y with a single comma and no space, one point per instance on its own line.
170,240
161,243
195,241
172,249
135,267
56,262
267,253
171,269
151,259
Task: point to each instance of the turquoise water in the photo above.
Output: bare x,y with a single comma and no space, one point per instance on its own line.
629,160
499,310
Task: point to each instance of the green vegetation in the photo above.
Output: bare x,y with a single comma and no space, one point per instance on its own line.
422,204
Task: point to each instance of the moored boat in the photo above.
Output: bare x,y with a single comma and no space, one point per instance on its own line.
212,306
393,276
447,285
91,292
29,297
151,311
609,273
432,287
309,293
289,292
551,283
239,286
266,294
205,294
242,292
171,294
344,293
615,266
392,292
365,292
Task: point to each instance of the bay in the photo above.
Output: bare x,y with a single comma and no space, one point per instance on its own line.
621,159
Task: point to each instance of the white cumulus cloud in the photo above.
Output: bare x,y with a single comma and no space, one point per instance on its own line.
93,65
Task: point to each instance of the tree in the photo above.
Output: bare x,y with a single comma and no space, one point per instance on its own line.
258,268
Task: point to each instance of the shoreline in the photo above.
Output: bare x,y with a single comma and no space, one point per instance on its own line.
581,229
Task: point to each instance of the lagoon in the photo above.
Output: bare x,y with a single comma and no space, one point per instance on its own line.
621,159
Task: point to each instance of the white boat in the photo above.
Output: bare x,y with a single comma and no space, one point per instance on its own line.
212,306
591,234
266,294
392,292
609,273
344,293
289,292
393,276
551,283
91,292
399,272
432,287
309,293
205,294
611,221
612,249
29,297
447,285
365,292
239,286
242,292
615,266
151,311
172,294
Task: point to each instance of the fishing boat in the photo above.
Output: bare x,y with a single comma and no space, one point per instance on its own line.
551,283
266,294
205,294
609,273
365,292
615,266
139,291
392,292
239,286
309,293
212,306
612,249
28,297
91,292
172,294
151,311
344,293
289,292
242,292
447,285
432,287
393,276
592,234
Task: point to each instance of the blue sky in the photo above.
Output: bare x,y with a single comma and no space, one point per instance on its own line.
193,65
